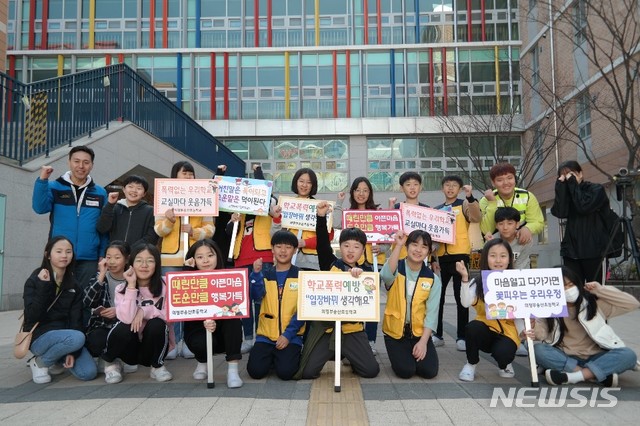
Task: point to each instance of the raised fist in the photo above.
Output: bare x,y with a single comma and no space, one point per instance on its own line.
45,172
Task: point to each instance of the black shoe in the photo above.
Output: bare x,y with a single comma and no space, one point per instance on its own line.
556,377
611,381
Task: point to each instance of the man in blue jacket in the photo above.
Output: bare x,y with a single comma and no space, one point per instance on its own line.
74,203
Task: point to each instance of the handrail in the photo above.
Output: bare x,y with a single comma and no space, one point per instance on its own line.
39,117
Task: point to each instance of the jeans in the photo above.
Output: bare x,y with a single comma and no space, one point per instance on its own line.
601,364
53,346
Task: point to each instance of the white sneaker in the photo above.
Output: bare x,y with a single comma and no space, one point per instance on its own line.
161,374
56,369
185,352
99,364
201,371
233,379
246,346
437,341
129,368
522,350
39,374
372,344
507,373
173,353
468,373
461,345
112,373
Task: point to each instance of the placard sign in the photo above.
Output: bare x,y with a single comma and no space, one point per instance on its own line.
200,295
187,197
243,195
440,224
378,225
337,296
300,213
524,293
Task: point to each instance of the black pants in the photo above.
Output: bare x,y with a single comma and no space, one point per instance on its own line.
96,341
404,365
447,271
125,344
355,347
263,356
481,338
587,269
226,339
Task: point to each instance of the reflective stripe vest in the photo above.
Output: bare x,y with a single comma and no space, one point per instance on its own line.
276,312
505,327
519,201
396,310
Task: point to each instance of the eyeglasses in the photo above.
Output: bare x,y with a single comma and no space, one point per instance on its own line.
144,261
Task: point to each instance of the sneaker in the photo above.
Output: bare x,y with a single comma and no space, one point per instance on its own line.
468,373
129,368
556,377
507,372
173,353
39,374
372,344
611,381
246,346
233,379
522,350
99,364
461,345
161,374
185,352
112,373
56,369
201,371
437,341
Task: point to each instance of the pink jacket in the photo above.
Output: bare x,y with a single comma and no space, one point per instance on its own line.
127,304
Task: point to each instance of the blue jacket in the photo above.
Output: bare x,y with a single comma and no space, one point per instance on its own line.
72,219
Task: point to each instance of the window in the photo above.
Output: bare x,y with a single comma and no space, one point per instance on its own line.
580,22
535,66
583,112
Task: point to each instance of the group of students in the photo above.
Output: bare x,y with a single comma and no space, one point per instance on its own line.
126,298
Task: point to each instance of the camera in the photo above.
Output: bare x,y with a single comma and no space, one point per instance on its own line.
624,178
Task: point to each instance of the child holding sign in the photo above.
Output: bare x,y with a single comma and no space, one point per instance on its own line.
582,346
355,344
497,337
205,255
412,307
279,334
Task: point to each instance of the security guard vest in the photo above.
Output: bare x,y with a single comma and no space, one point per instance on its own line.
462,244
519,202
261,234
277,310
506,327
396,310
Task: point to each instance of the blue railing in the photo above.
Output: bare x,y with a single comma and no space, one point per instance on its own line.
39,117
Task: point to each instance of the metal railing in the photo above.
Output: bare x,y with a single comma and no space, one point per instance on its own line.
39,117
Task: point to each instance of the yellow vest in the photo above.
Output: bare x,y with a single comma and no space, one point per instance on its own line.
261,234
275,314
505,327
368,256
462,244
396,310
172,253
305,235
519,201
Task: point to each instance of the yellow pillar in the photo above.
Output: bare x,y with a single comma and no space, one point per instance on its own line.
317,20
92,24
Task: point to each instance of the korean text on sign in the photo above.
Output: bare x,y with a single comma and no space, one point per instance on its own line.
300,213
438,223
337,296
187,197
200,295
524,293
243,195
378,225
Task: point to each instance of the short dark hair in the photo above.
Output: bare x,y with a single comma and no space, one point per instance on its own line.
82,148
122,246
284,237
136,179
312,176
353,234
501,169
452,178
187,166
506,213
419,234
569,166
410,175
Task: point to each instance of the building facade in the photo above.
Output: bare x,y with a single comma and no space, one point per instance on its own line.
349,88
